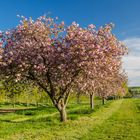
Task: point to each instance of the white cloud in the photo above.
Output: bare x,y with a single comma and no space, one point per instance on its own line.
131,63
133,45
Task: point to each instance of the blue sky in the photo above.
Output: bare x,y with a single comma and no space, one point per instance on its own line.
124,13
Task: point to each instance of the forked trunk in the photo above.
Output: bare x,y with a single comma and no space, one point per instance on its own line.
92,101
61,106
60,103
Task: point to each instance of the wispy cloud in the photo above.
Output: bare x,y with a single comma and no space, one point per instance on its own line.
133,45
132,61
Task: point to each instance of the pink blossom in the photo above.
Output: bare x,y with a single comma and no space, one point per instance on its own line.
92,26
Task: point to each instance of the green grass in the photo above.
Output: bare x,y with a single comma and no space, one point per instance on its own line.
124,124
117,120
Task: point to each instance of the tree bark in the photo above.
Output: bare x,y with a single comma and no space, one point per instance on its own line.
63,114
92,101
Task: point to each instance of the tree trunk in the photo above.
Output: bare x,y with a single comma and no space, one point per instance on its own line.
27,104
114,98
103,101
60,103
92,101
63,114
13,105
61,106
78,98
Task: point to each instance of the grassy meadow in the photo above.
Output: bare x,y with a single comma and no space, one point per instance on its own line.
116,120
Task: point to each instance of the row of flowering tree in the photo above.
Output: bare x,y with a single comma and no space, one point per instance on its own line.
60,58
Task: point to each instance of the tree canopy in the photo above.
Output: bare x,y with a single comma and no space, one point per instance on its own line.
59,57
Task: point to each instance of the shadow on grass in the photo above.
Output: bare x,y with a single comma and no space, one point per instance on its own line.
33,115
81,111
50,114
